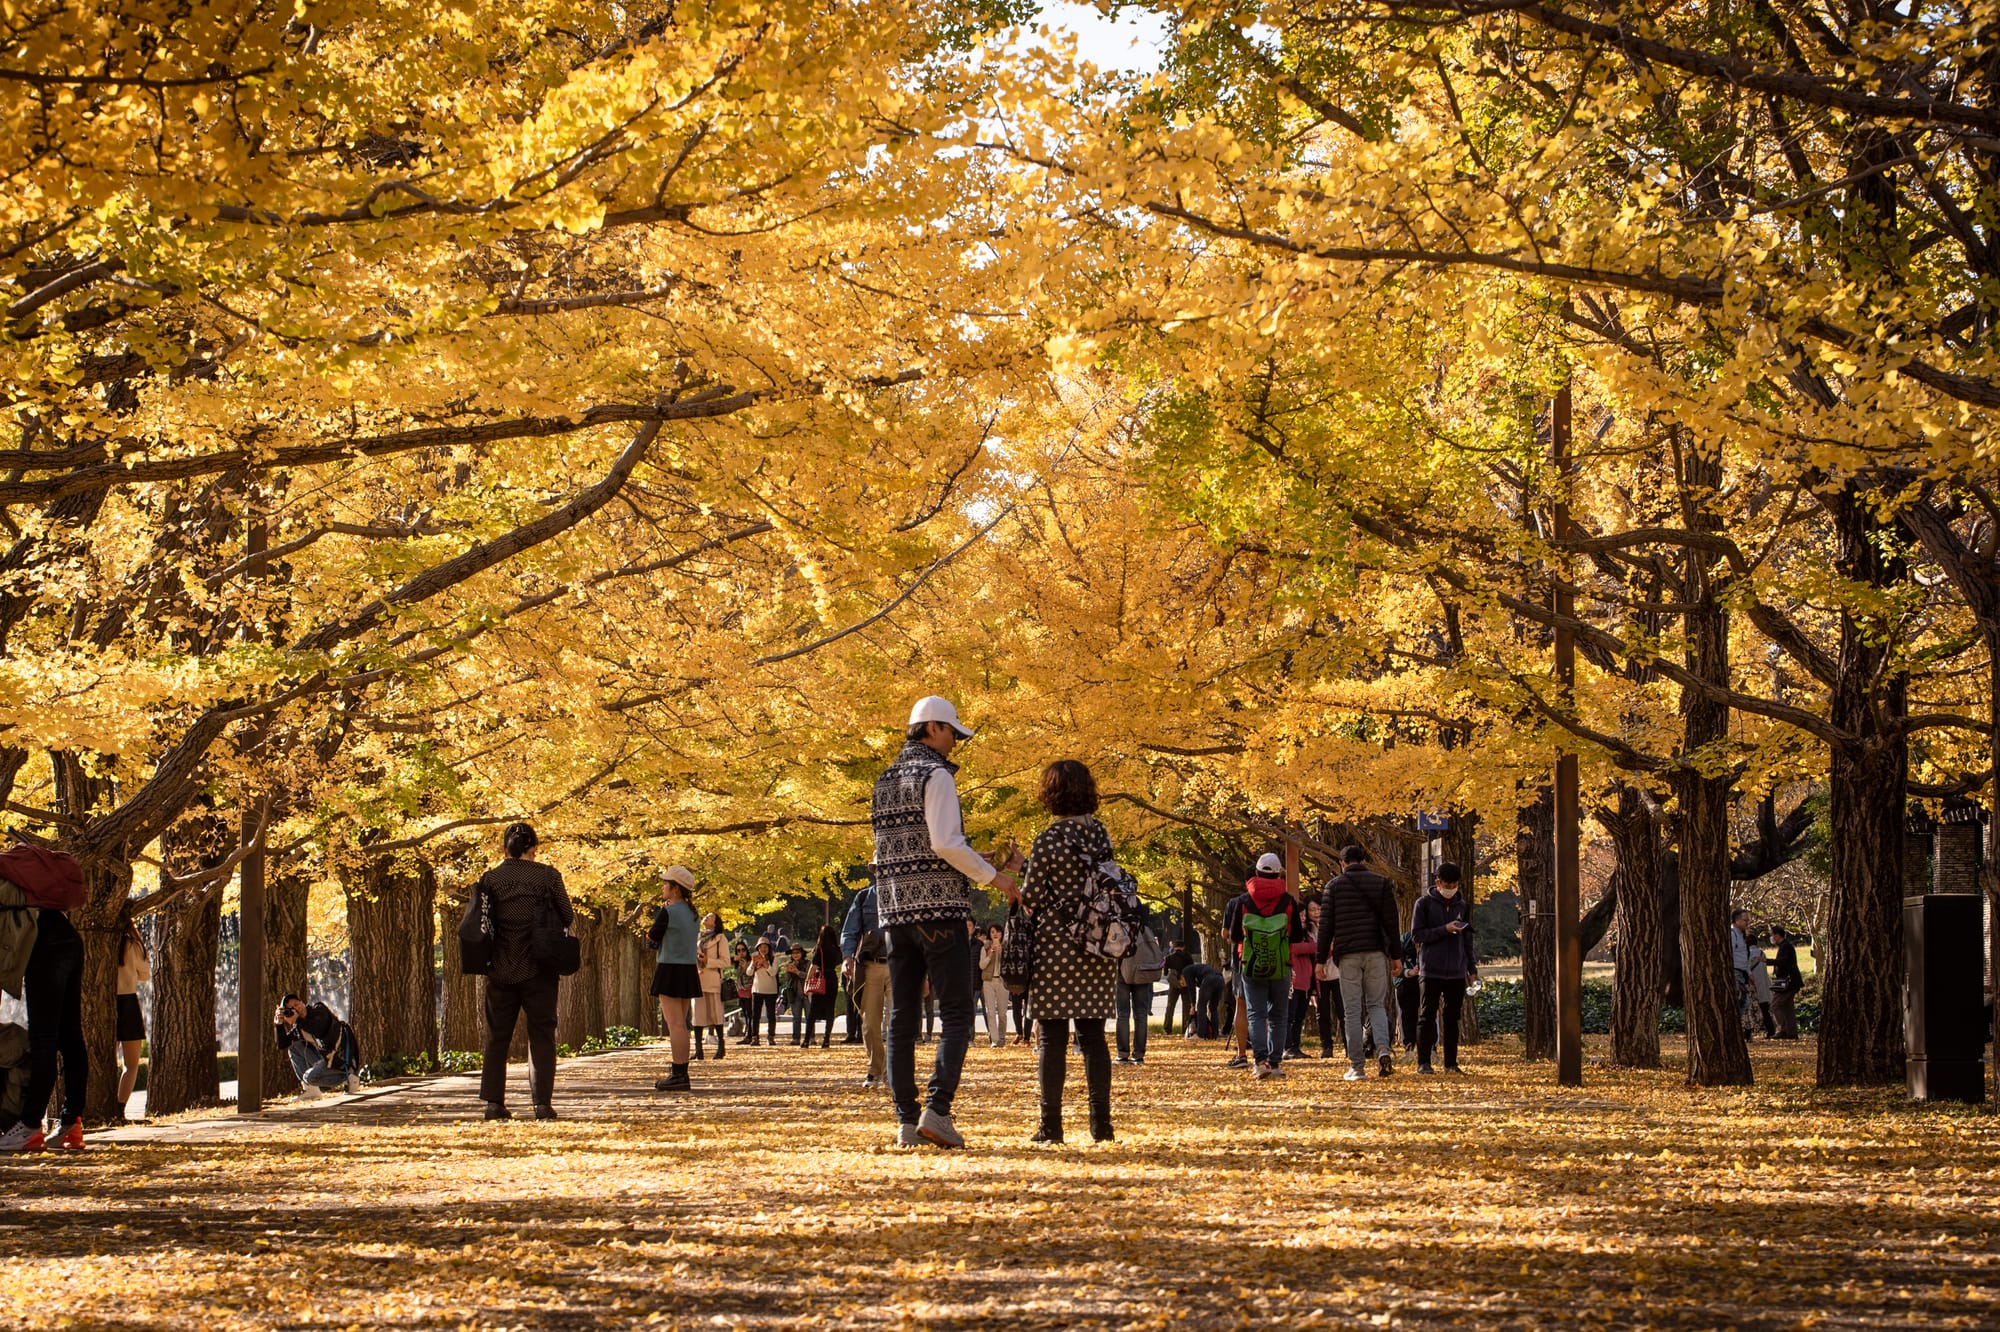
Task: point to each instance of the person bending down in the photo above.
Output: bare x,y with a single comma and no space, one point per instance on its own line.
320,1046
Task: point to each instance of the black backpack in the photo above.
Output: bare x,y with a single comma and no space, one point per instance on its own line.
1017,951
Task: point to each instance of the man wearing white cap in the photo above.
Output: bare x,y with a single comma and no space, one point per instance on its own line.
924,872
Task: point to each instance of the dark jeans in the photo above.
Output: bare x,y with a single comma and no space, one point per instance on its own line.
1330,1017
1452,993
819,1009
1266,1007
1210,999
1096,1072
534,1000
1295,1019
1135,1014
1176,994
797,1001
1019,1003
1409,998
940,952
764,1006
53,987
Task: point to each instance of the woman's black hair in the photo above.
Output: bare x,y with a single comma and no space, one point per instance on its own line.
519,840
1068,789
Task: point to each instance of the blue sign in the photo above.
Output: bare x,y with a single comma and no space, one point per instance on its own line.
1433,823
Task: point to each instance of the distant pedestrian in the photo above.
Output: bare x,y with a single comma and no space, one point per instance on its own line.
320,1046
1262,936
52,985
519,893
1786,982
1326,990
1739,962
676,939
1441,924
1304,984
925,871
1068,987
992,990
763,1000
1136,977
1235,1023
864,949
133,970
822,978
1356,928
1409,995
1206,987
712,957
1177,991
1760,985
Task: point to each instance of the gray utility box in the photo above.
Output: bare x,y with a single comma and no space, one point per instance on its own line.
1944,996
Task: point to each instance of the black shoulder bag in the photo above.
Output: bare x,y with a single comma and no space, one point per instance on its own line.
553,947
475,934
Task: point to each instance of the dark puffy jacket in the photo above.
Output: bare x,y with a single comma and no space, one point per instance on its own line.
1357,914
1442,955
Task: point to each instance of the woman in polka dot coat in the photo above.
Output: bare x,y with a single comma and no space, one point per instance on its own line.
1067,986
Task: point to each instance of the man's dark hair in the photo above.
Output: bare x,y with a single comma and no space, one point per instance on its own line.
1741,913
288,999
1068,789
1781,932
1353,855
519,839
1447,872
917,731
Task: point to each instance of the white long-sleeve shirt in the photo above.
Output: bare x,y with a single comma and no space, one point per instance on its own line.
947,828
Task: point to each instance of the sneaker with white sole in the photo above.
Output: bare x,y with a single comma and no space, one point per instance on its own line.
938,1129
354,1084
1261,1072
1238,1062
309,1092
23,1137
1353,1075
907,1136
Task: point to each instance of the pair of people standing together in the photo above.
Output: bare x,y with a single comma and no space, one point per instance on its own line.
924,872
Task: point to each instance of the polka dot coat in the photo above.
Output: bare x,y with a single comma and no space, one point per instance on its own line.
1066,982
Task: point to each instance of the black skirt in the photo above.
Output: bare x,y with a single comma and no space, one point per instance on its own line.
131,1022
677,980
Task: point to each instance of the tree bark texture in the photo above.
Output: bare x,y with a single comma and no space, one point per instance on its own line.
180,1067
1861,986
1639,980
1535,854
579,1011
285,900
1716,1055
79,796
391,913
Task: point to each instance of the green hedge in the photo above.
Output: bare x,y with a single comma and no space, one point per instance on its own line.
1502,1012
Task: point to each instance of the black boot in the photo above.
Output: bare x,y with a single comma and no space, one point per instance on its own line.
675,1081
697,1044
718,1042
1100,1119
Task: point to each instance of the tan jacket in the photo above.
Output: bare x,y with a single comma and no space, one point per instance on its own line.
133,968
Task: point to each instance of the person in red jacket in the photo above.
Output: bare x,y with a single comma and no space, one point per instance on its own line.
1262,934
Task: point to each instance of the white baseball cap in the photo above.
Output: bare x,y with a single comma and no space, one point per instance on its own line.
681,875
935,709
1268,863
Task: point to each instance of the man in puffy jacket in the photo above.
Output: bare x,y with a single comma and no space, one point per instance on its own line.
1357,928
1441,927
320,1046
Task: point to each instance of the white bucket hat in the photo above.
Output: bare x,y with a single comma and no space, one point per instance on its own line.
681,875
935,709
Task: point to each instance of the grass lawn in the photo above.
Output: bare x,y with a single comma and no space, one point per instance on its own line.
772,1197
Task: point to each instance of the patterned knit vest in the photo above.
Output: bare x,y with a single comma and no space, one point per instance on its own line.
912,882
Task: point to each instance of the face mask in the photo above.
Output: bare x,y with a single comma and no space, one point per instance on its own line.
1447,891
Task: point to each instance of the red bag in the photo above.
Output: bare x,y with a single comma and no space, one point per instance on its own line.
51,880
815,981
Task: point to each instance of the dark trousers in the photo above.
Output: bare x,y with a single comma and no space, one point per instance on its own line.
797,1001
1209,1000
937,951
819,1008
853,1015
534,1000
762,1007
1331,1017
1096,1072
1295,1018
1176,994
1135,1013
1451,992
1019,1004
53,987
1409,998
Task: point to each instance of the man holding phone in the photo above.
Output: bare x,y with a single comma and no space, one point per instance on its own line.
1441,927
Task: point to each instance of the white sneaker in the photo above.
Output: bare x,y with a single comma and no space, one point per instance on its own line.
1262,1071
354,1084
23,1137
1354,1075
938,1129
309,1092
907,1136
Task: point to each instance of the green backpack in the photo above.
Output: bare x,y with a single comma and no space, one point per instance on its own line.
1267,950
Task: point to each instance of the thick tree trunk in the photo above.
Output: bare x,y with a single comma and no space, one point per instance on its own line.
460,1024
1716,1054
286,896
614,964
391,913
1861,989
1535,855
102,943
1639,980
180,1068
578,1013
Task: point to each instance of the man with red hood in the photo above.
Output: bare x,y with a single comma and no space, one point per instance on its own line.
1262,935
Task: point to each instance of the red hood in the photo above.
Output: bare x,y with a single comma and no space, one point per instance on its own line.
1264,893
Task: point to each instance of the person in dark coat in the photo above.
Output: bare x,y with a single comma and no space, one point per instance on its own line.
1786,982
52,985
1068,985
1356,927
517,891
1441,927
1205,987
1172,968
320,1046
